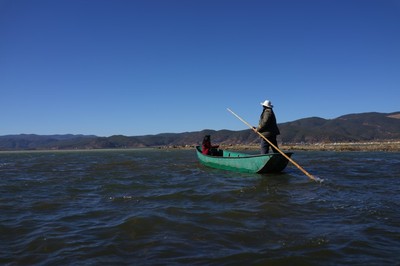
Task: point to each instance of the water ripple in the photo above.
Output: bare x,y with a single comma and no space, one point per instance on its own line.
163,207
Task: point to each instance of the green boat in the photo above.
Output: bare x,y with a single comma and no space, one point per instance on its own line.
242,162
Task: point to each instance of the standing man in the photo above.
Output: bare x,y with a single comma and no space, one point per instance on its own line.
268,127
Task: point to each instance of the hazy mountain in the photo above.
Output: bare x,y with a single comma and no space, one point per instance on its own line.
32,141
352,127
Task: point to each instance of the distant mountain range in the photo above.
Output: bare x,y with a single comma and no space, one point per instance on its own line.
348,128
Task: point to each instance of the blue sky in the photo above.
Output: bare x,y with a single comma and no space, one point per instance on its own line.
148,67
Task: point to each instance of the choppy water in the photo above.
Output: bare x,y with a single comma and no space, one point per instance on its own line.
158,207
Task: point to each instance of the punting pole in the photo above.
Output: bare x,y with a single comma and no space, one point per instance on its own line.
281,152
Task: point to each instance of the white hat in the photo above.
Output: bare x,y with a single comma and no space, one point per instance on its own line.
267,104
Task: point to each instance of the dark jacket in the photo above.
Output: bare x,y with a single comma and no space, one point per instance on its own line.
267,125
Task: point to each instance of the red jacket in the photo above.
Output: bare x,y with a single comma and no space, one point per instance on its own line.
206,148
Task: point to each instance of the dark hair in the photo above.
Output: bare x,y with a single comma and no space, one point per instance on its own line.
206,138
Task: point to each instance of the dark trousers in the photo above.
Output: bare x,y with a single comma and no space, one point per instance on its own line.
265,145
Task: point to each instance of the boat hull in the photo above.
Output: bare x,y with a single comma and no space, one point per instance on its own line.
241,162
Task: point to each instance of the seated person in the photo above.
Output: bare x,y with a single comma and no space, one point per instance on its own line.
207,148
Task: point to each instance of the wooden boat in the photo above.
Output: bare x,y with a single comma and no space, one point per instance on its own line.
242,162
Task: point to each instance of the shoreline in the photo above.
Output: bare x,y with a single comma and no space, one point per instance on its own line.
388,146
373,146
384,146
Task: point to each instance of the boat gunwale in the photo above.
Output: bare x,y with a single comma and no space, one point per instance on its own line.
240,157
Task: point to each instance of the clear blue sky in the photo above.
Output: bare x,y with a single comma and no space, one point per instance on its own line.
154,66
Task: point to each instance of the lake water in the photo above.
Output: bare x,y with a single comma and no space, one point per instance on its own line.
161,207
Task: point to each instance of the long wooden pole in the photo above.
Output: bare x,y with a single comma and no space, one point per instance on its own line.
281,152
